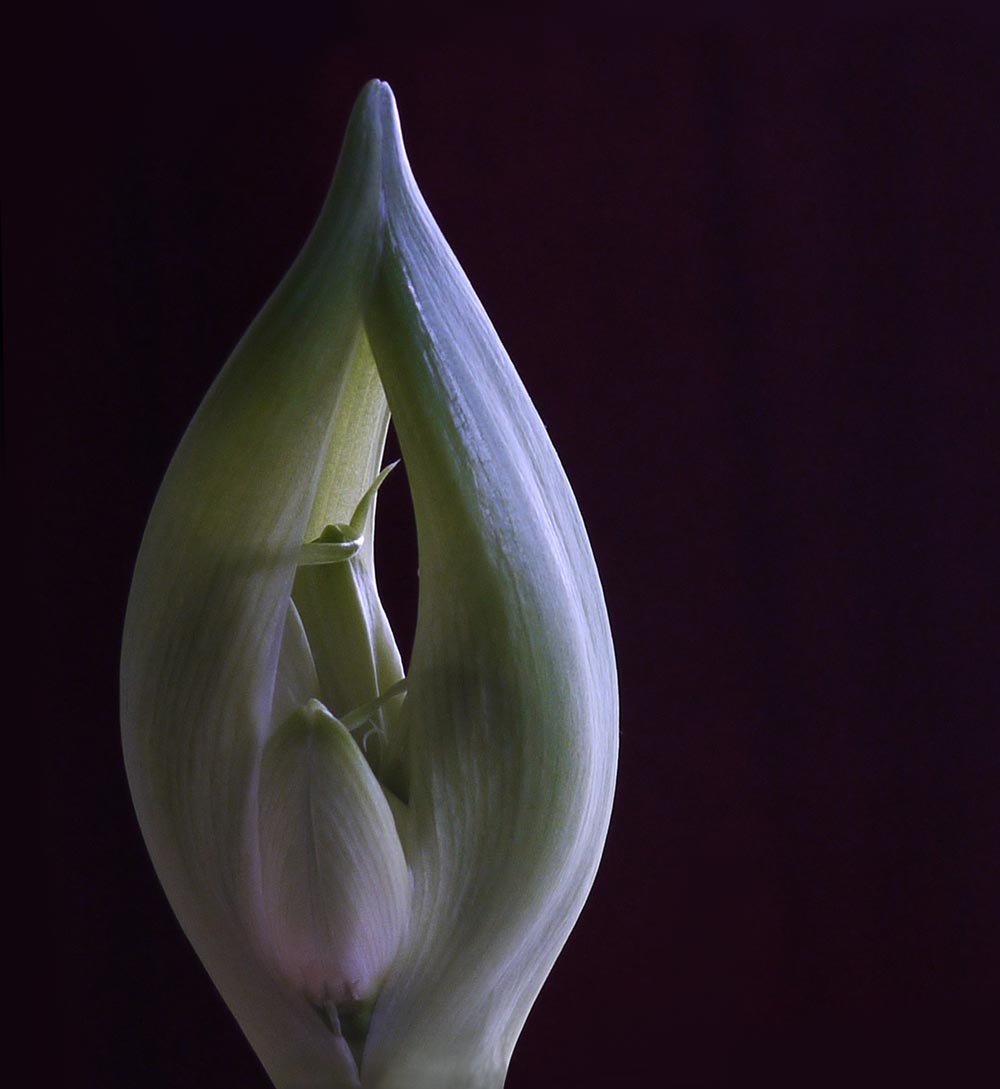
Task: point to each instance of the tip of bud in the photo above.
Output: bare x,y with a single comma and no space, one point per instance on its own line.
377,101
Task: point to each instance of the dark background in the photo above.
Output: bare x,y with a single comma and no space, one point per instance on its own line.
750,280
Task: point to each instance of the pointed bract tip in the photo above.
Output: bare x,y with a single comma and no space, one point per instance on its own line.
377,100
376,110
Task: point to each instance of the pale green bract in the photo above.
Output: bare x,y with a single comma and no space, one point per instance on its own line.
378,873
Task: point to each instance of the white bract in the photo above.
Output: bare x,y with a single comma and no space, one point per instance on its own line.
377,872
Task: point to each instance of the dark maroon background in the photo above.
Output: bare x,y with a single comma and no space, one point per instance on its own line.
751,282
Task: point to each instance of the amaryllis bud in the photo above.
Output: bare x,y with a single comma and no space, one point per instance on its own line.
378,871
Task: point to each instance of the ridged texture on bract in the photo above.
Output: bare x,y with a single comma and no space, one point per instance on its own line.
498,767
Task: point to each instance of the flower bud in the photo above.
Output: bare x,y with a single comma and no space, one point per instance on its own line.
377,871
335,891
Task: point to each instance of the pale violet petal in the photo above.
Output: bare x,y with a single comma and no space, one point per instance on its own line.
335,890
